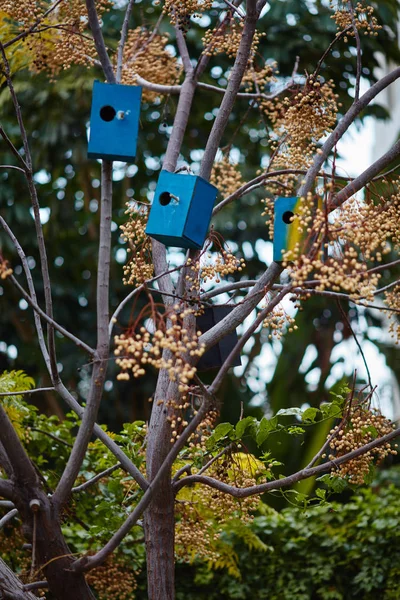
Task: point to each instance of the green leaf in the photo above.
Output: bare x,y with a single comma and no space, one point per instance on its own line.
221,431
331,409
295,430
289,412
264,429
309,415
242,425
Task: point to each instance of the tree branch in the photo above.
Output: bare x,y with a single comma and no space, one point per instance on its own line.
342,127
285,481
96,478
23,469
359,182
121,45
99,41
232,89
246,336
86,563
126,463
102,348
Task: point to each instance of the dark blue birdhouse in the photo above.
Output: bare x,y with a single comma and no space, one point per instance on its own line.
181,210
216,356
114,121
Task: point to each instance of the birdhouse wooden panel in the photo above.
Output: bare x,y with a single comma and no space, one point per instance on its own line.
181,210
216,356
114,121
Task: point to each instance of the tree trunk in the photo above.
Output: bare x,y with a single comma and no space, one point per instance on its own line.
10,586
53,558
159,520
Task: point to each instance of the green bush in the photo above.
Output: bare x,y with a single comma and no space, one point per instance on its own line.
330,552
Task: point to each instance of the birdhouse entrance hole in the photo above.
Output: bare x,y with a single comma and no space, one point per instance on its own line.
287,217
107,113
165,198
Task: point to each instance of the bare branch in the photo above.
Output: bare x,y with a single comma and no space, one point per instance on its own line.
126,463
22,467
51,321
232,89
285,481
359,182
10,515
102,348
87,563
246,336
343,126
121,45
22,392
237,285
99,41
96,478
14,151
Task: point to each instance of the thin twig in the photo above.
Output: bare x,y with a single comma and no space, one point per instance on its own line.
121,45
33,391
96,478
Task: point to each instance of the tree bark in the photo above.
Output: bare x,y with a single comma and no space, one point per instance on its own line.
53,557
159,518
10,585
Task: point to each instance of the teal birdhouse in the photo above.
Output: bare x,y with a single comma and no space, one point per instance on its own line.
291,237
181,210
286,235
114,121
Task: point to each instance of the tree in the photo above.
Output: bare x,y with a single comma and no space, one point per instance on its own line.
337,256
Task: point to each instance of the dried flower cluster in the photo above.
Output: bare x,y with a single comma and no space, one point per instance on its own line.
363,426
146,55
226,39
61,37
113,580
279,322
181,11
226,176
138,349
202,515
5,269
140,266
392,301
300,121
361,16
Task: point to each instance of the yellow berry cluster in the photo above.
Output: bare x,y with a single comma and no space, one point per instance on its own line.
146,55
256,79
226,39
199,528
180,11
225,264
64,38
136,350
226,176
5,269
279,322
392,301
300,121
362,427
361,16
113,580
139,267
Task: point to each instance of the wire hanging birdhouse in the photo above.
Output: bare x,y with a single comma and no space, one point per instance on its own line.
114,121
216,356
181,210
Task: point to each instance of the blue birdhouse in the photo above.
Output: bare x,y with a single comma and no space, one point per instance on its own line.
114,121
216,356
289,239
181,210
285,229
